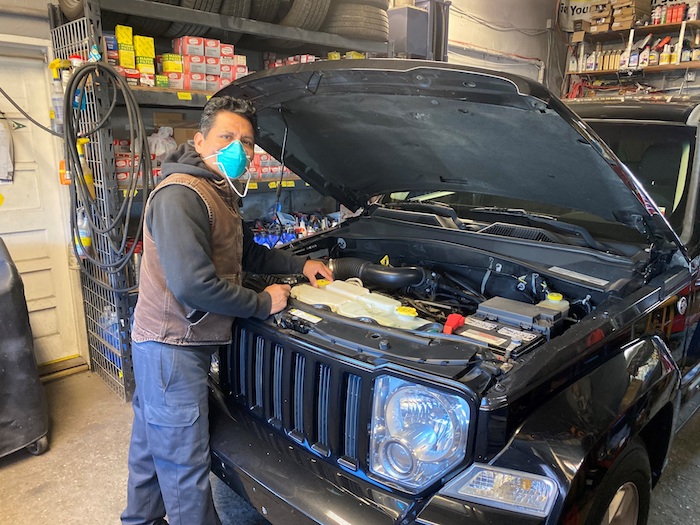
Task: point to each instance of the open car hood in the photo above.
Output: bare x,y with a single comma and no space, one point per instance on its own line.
357,128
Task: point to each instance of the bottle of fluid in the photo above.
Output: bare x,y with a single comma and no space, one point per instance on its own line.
56,97
83,239
555,301
85,167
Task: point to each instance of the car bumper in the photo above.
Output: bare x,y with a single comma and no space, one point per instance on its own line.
287,484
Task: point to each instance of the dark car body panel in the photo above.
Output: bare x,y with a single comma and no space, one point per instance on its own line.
292,412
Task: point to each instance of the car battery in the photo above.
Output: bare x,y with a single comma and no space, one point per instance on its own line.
510,328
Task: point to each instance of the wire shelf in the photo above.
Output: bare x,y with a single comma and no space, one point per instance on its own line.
73,38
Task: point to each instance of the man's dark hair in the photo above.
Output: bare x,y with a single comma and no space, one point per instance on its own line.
226,103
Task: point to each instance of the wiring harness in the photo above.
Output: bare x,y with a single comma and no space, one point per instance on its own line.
111,252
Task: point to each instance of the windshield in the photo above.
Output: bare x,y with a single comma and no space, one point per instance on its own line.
660,156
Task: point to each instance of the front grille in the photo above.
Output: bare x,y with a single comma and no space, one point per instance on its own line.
322,403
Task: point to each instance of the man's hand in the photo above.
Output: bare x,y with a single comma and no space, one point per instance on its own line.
313,268
279,294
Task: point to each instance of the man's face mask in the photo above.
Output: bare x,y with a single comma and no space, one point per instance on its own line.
232,162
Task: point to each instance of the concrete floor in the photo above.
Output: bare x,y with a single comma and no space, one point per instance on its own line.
82,478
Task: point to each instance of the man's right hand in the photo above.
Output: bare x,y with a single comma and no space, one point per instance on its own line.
279,294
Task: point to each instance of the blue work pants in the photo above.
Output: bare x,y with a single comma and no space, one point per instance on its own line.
169,460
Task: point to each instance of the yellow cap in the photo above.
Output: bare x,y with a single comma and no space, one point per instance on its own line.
554,296
408,311
322,282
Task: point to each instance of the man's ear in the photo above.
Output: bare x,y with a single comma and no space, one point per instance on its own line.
198,139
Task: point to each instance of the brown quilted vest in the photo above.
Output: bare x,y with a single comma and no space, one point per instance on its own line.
159,316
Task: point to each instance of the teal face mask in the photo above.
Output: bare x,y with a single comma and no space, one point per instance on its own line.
232,162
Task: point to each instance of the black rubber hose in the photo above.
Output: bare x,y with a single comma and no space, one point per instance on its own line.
386,276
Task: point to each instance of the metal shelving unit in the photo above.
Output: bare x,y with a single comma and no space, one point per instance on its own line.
107,312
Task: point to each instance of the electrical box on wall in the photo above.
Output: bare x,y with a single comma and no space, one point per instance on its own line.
408,29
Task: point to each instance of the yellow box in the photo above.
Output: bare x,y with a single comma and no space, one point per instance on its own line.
127,59
333,55
124,34
172,67
144,46
146,68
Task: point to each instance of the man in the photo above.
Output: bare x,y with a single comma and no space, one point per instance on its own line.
195,249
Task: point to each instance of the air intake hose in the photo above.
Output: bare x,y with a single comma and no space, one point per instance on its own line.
385,276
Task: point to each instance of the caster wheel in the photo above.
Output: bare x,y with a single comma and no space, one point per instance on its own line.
40,446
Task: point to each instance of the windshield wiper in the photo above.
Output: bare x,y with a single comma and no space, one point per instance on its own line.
436,208
548,220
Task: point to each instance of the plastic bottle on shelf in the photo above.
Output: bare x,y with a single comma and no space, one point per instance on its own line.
644,57
83,239
665,56
57,95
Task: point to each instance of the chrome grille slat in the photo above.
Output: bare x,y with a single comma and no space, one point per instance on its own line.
299,373
324,383
242,365
352,404
277,383
258,400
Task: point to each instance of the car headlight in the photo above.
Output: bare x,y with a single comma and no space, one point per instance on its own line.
418,433
504,489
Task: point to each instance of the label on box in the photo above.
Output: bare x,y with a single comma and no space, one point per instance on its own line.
194,64
124,34
213,66
223,82
147,79
226,50
171,67
176,80
212,47
226,71
189,45
144,46
195,82
127,59
110,42
162,81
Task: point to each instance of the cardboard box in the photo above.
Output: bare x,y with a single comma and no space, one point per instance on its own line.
212,83
124,34
144,46
182,134
167,118
110,42
623,24
226,50
213,66
162,81
602,28
624,12
578,36
226,71
147,79
189,45
194,64
176,80
195,82
212,47
581,25
223,82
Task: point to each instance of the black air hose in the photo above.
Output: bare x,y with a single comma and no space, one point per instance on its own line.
386,276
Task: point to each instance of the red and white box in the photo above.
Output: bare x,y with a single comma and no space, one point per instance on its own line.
223,82
212,83
176,80
227,54
194,64
195,82
189,45
240,71
121,145
226,71
213,66
240,60
147,79
212,47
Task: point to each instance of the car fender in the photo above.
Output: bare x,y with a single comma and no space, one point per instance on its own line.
577,434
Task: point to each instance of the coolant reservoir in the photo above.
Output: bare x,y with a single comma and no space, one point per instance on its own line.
555,301
353,300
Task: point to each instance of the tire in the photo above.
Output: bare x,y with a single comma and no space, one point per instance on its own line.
264,10
358,21
178,29
237,8
72,9
625,489
381,4
40,446
307,14
151,26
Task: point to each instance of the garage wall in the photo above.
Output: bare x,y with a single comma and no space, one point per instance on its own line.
24,17
508,35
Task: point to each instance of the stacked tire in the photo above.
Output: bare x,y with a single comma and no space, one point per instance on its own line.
361,19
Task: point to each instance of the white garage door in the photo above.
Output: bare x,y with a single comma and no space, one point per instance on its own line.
33,214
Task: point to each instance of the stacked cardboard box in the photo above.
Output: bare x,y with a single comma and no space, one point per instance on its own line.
600,20
627,12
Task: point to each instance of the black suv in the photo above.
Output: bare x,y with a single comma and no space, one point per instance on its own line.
511,331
